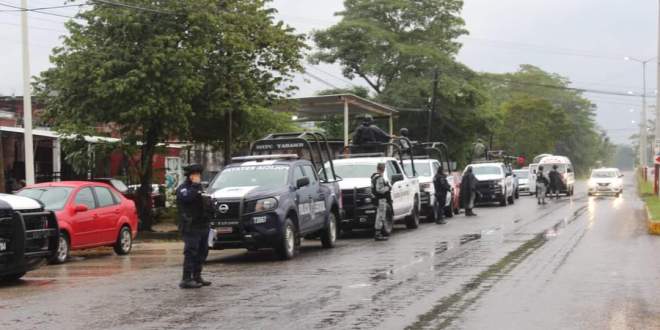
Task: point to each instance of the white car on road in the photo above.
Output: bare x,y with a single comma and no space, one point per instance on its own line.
606,181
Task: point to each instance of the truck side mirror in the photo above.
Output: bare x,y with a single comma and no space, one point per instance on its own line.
302,182
396,178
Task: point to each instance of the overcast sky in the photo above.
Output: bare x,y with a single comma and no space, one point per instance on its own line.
585,40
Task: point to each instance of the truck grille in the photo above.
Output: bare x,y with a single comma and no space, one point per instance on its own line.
231,210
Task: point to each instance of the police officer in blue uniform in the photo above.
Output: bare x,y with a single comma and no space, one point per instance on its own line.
194,227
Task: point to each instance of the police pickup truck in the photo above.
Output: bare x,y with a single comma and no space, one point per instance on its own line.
271,200
29,235
358,201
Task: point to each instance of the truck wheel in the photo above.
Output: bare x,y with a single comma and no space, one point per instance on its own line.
329,235
286,248
389,222
63,251
503,200
124,242
12,277
412,221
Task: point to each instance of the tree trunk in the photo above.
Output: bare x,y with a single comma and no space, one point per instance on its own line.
143,200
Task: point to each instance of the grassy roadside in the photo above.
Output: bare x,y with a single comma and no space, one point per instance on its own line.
645,190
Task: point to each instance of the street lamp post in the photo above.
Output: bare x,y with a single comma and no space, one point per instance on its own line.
643,137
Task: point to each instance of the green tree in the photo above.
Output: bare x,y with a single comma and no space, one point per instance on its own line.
381,40
164,72
578,137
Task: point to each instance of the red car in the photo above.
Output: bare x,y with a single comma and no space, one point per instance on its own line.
90,214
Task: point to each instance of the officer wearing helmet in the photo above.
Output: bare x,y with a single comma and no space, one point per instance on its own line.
368,133
194,227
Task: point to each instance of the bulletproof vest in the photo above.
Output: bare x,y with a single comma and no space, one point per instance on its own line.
374,178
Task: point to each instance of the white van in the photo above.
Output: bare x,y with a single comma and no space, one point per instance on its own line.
565,168
532,178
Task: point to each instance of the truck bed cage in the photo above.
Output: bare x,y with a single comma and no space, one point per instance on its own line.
428,149
395,147
314,143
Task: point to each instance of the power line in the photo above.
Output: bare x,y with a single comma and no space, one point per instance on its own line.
33,10
124,5
41,8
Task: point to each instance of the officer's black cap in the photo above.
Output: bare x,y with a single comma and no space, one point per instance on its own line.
192,169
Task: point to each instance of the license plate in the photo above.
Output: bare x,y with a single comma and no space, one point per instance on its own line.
3,246
225,230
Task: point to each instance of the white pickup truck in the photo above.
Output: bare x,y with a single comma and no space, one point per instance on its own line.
357,198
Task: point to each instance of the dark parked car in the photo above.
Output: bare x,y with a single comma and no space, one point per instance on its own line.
29,235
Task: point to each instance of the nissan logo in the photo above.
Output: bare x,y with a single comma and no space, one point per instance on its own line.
223,208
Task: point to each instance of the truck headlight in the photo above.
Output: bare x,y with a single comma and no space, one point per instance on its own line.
266,204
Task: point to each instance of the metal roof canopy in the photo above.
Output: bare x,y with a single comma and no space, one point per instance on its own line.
318,108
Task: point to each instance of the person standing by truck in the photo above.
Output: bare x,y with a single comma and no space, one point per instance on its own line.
541,186
381,189
468,191
368,134
442,187
556,182
194,227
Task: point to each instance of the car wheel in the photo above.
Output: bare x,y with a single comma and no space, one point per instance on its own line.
12,277
124,242
389,222
286,248
412,221
63,251
329,235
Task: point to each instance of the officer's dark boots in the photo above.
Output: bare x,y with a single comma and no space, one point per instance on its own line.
198,278
380,237
187,282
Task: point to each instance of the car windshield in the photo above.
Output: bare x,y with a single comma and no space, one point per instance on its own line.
247,176
522,174
349,171
423,169
487,170
603,174
53,198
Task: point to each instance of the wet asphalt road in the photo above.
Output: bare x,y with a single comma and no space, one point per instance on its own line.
580,263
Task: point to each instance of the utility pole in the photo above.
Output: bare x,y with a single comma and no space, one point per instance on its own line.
433,103
27,98
643,136
657,94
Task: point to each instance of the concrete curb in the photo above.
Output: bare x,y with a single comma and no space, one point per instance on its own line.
653,224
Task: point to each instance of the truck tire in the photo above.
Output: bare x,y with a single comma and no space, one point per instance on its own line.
329,234
63,251
12,277
412,221
286,247
503,199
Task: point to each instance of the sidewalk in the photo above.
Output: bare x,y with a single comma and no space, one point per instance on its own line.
652,204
